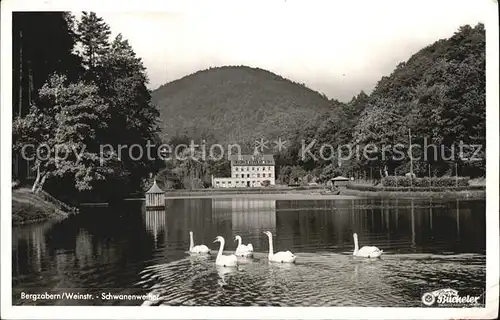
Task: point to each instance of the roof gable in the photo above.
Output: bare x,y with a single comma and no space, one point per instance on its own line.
260,159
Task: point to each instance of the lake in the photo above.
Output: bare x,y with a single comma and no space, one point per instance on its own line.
124,249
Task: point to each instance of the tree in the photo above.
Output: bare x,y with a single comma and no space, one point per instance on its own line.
122,83
439,93
64,126
93,35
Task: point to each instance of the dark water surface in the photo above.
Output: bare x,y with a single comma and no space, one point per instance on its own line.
123,249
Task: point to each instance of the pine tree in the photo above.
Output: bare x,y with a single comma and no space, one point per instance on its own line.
123,82
93,34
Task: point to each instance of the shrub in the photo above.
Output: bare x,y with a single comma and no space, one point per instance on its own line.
399,181
363,187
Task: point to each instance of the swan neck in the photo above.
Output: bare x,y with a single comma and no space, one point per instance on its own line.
239,242
191,241
221,248
356,247
271,250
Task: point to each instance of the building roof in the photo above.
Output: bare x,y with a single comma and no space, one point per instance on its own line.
256,159
155,189
340,178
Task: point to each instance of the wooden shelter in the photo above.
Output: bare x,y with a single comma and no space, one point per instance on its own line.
155,197
340,181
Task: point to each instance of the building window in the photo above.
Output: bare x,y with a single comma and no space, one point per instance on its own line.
248,175
236,175
258,175
236,169
263,175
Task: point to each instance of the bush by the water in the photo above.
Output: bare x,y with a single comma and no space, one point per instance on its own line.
365,187
400,181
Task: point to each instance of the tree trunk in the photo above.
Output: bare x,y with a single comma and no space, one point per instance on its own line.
20,73
39,181
40,185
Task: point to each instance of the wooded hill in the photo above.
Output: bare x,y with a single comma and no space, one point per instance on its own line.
439,94
236,105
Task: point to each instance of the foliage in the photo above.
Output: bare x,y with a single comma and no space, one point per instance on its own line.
236,105
297,175
122,81
399,181
105,104
93,34
64,126
439,94
436,97
329,172
364,187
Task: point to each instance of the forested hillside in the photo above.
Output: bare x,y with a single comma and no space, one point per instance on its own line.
438,94
236,105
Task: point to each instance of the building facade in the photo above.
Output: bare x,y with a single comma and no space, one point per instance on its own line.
250,171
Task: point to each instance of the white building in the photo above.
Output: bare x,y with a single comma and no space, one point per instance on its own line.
248,171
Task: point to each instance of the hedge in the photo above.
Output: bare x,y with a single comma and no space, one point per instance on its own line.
363,187
400,181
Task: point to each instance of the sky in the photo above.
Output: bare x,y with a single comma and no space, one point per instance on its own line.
337,48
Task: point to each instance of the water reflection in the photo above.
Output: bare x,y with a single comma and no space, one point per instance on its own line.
251,214
223,273
458,218
131,250
155,222
413,243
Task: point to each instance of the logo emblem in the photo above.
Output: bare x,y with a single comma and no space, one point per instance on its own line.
428,299
448,297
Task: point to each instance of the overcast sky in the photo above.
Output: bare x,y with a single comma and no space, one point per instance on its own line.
337,49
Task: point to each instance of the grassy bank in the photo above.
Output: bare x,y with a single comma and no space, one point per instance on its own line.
242,191
267,196
28,207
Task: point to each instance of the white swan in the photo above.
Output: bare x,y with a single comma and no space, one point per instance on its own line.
225,261
203,249
243,250
282,256
366,251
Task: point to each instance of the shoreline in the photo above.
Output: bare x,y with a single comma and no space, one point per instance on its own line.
445,194
266,196
345,194
28,208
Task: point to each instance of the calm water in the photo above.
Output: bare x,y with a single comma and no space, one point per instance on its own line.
427,245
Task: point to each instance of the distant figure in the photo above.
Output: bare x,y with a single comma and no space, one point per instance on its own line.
410,175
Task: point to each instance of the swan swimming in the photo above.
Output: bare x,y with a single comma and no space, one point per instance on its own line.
203,249
225,261
243,250
282,256
366,251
